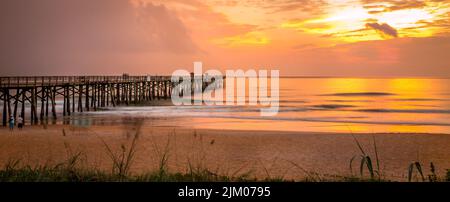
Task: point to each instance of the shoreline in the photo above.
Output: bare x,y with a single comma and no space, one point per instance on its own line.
263,153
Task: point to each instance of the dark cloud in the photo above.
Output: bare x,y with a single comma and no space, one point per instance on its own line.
384,29
85,36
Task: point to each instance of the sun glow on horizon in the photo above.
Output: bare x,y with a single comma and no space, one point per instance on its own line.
336,21
349,23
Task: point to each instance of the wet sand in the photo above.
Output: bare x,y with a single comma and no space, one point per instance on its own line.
229,152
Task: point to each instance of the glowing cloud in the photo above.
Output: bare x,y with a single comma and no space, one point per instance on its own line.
250,38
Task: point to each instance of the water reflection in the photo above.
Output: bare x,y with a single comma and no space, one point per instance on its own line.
320,104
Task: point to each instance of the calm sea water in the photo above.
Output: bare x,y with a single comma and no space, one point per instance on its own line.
320,105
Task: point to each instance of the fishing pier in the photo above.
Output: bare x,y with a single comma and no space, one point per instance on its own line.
78,94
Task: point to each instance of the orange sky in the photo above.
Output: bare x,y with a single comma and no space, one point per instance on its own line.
308,37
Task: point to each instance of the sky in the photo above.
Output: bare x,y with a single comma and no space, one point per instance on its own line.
355,38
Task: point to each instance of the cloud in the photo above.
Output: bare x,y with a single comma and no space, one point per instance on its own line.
375,6
304,46
86,36
309,6
250,38
48,37
384,29
164,29
397,57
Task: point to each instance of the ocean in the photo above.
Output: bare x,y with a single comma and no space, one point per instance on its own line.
356,105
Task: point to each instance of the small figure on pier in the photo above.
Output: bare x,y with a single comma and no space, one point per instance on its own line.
20,122
11,123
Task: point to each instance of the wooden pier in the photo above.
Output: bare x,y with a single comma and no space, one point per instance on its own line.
79,93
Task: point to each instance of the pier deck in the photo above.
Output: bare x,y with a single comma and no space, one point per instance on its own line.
80,93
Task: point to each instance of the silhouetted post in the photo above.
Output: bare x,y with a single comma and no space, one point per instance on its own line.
4,108
8,98
47,96
102,95
117,100
105,93
42,103
165,89
32,106
122,92
161,88
68,100
98,98
144,90
113,96
153,89
127,93
108,92
170,88
94,98
36,119
138,91
73,98
149,90
16,100
135,88
80,96
65,102
87,97
22,113
54,103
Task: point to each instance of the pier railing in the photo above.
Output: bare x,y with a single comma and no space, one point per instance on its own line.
79,93
83,93
37,81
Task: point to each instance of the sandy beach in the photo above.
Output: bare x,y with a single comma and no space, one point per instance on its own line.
231,152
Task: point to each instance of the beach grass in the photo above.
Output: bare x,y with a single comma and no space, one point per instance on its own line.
447,177
67,173
72,168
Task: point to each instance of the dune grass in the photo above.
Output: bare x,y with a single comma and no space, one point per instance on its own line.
70,170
